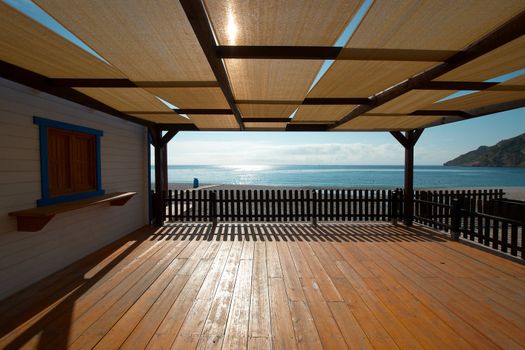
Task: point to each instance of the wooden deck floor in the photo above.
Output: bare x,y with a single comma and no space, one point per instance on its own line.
281,286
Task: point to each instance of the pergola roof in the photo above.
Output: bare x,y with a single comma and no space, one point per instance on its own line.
252,65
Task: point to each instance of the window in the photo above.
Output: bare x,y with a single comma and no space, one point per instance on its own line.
69,161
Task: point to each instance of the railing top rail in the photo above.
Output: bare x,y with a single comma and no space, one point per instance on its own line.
488,216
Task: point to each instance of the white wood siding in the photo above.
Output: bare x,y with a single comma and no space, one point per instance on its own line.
26,257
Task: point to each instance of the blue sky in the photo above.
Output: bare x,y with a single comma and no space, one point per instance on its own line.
437,145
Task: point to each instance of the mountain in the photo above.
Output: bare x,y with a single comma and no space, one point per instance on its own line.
506,153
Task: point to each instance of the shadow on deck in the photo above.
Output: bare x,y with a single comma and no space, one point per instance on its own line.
266,286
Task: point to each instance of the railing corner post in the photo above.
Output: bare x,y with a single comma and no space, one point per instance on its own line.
456,219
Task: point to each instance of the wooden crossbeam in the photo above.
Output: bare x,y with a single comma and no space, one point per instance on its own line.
266,120
336,101
126,83
198,18
42,83
468,85
511,30
331,53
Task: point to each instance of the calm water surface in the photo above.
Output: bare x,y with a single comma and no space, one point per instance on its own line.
376,176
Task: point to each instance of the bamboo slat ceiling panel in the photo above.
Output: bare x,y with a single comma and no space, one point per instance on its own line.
266,110
314,113
431,24
192,97
506,59
266,79
364,78
265,126
215,122
484,98
274,22
277,22
411,24
146,40
412,101
126,99
382,123
28,44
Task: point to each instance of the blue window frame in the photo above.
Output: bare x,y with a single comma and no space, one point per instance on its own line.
44,124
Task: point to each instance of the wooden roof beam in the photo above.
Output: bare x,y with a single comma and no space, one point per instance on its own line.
198,18
126,83
468,85
332,53
509,31
42,83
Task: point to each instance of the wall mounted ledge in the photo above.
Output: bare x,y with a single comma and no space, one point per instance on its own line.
34,219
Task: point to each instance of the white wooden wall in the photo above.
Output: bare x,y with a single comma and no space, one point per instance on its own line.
26,257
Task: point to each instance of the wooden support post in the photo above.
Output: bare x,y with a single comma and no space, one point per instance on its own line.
159,179
408,141
161,171
409,183
165,168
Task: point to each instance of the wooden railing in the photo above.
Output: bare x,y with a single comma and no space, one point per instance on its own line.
432,208
457,212
282,205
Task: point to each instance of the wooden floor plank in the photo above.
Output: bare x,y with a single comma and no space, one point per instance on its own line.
207,321
327,327
350,329
324,282
259,303
236,335
275,286
99,326
290,276
470,334
304,326
283,336
169,328
488,323
374,330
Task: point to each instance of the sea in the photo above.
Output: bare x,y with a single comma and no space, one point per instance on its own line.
353,176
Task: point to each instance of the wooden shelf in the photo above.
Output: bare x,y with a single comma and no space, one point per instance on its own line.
34,219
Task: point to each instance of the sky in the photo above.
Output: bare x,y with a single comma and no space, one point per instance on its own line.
436,146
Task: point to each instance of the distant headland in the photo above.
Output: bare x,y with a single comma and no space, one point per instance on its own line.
506,153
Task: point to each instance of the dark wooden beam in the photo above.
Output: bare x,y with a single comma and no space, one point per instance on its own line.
495,108
509,31
126,83
168,136
331,53
337,101
198,18
266,120
455,85
178,127
468,85
42,83
268,102
401,138
307,127
436,112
